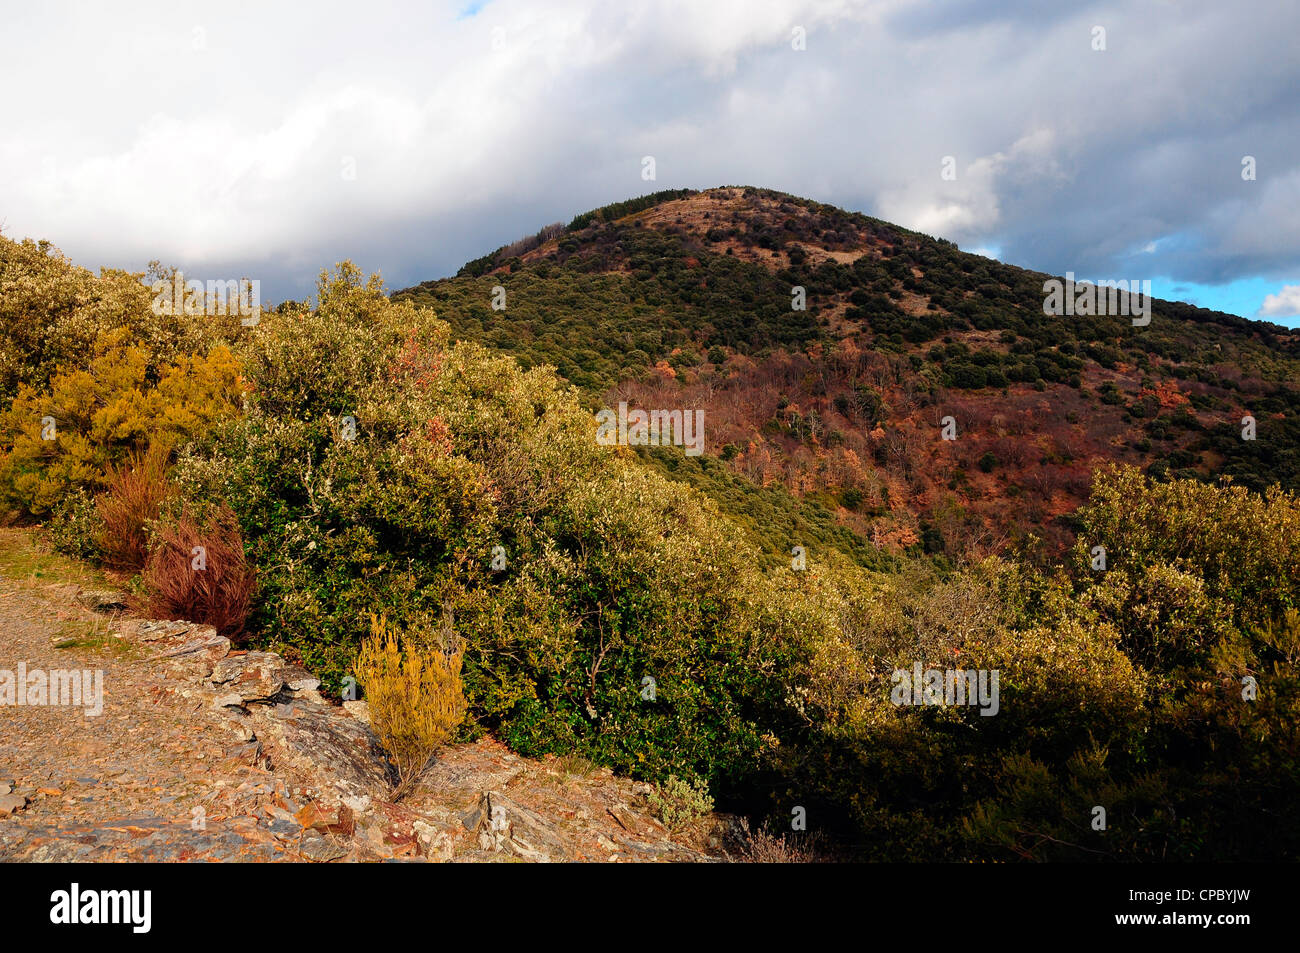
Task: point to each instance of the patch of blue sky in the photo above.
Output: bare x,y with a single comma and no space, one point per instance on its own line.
1243,297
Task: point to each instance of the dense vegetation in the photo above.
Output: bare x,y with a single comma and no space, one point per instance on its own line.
370,458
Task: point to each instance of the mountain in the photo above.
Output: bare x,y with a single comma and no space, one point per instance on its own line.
351,480
825,425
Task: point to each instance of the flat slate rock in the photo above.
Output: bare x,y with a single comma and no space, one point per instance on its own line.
102,600
331,756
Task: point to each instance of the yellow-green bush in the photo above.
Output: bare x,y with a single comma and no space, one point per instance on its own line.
679,802
1245,546
415,695
92,416
52,312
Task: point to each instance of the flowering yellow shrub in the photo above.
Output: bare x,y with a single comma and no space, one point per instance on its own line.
415,696
91,417
52,312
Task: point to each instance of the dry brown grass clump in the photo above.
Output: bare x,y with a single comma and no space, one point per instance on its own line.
764,847
136,490
198,572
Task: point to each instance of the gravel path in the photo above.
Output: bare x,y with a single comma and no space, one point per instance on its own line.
155,776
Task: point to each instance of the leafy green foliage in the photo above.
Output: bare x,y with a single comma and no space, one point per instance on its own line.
76,526
612,573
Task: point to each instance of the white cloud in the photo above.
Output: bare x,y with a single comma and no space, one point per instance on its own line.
970,204
1284,304
127,143
510,102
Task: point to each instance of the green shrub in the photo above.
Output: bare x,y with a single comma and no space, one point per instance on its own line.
613,574
76,526
678,803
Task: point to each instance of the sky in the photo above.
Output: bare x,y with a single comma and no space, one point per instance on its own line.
1148,139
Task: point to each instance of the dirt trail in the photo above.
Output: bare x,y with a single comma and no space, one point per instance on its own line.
125,784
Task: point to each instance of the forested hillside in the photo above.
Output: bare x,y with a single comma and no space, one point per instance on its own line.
683,299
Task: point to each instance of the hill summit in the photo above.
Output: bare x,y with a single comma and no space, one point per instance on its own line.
871,388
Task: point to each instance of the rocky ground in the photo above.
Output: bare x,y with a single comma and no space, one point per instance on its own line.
203,752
